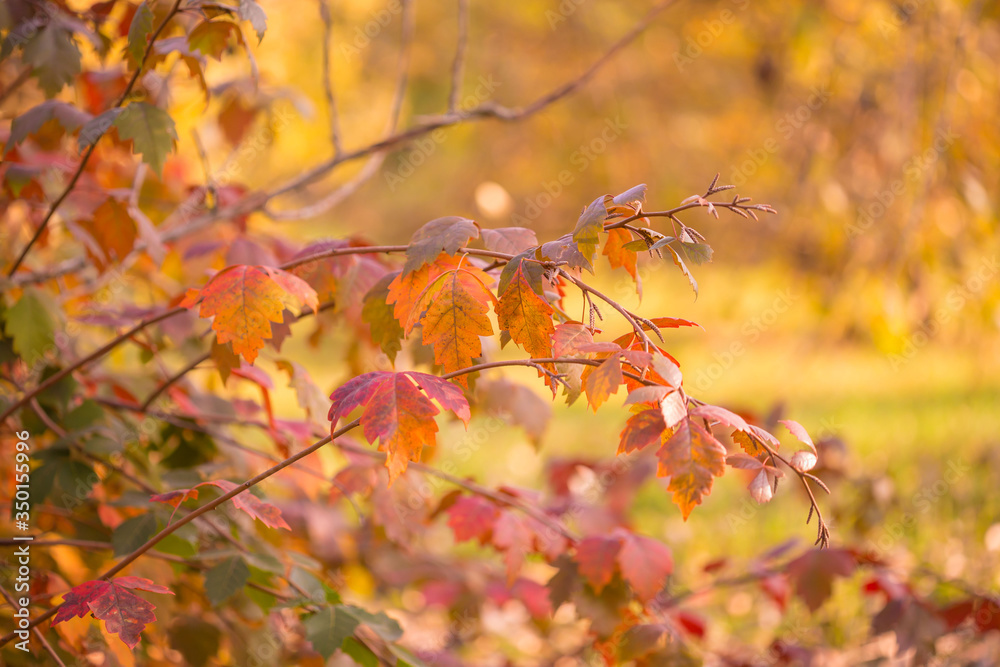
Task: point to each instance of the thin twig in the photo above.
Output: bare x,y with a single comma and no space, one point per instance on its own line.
328,89
174,378
458,65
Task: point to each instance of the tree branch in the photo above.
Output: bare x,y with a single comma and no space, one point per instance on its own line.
458,65
328,89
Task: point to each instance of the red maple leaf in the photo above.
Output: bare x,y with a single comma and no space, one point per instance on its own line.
124,613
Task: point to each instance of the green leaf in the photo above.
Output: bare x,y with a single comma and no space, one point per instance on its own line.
31,324
696,253
684,269
378,313
587,233
54,57
638,245
138,32
327,629
133,533
225,579
84,415
382,625
60,393
662,242
151,130
250,11
533,271
360,653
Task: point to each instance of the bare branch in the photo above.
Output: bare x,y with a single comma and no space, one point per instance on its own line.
331,98
458,65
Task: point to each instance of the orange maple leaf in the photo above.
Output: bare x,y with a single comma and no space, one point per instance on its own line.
406,288
691,457
453,312
526,315
244,302
601,381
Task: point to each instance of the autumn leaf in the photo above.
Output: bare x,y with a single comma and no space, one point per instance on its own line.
471,517
720,415
596,559
565,249
526,315
124,613
256,508
645,564
226,361
570,338
31,324
246,301
31,121
444,235
310,397
397,413
251,11
814,571
212,37
642,429
518,405
599,382
113,230
512,536
691,457
378,314
618,255
799,431
406,288
587,233
176,497
343,279
684,269
511,240
453,314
